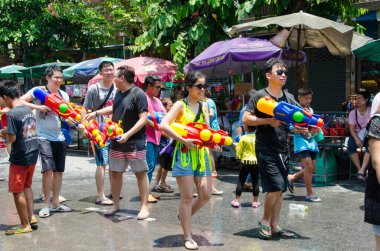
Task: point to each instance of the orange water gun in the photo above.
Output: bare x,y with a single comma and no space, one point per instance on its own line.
57,104
95,134
203,135
111,129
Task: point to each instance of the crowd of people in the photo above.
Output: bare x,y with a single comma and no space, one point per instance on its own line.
34,130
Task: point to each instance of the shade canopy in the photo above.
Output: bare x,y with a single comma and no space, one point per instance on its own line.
305,29
370,51
236,56
11,71
88,67
38,71
145,66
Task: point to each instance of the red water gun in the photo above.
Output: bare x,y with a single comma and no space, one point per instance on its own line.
95,134
57,104
111,129
203,135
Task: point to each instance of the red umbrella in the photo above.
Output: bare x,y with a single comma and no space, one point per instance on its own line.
145,66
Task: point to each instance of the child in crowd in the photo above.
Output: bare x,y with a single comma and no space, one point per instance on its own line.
307,148
245,151
22,134
165,160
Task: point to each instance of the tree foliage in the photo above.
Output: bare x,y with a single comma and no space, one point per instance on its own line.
31,30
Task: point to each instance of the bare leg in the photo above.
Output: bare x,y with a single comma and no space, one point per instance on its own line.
366,159
29,202
116,184
377,239
22,209
57,183
158,176
308,174
99,178
186,189
47,182
163,178
143,183
276,210
271,199
203,185
355,159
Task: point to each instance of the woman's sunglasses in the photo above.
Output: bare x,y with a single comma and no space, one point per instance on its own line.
200,86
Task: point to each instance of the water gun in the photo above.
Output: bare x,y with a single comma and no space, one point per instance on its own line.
111,129
156,117
57,104
288,113
203,135
95,134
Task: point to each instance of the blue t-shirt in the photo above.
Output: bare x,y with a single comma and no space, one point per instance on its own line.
214,119
301,143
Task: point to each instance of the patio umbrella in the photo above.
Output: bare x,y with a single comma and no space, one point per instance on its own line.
305,29
236,56
11,71
370,51
87,68
145,66
38,71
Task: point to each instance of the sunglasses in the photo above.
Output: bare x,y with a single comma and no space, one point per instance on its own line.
200,86
280,72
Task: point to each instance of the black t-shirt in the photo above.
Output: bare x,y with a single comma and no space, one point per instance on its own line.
22,124
126,107
268,137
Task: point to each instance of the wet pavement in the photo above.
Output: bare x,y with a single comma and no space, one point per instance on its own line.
335,224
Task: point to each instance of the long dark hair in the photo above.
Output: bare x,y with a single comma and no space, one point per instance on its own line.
190,79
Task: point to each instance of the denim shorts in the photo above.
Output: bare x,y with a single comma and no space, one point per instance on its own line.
352,147
180,170
376,230
102,155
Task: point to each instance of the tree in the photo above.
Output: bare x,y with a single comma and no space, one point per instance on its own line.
31,30
188,27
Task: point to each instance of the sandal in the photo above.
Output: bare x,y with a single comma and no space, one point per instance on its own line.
33,221
190,244
44,212
142,215
261,233
256,204
291,186
235,204
18,230
313,199
62,209
283,234
110,212
361,177
104,202
167,189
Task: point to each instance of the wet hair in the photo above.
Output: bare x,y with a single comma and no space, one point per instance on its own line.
128,72
51,69
190,79
366,95
271,62
9,88
305,91
150,80
104,63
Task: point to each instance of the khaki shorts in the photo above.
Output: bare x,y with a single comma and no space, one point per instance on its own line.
134,157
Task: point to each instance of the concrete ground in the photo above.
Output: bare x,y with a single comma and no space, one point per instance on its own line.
335,224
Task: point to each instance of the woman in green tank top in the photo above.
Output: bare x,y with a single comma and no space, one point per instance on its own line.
191,163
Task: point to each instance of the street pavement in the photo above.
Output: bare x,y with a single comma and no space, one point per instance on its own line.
335,224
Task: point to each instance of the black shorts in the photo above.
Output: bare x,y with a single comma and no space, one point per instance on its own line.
53,155
274,170
308,154
166,160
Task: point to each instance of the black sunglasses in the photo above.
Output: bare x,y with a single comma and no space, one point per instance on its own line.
280,72
200,86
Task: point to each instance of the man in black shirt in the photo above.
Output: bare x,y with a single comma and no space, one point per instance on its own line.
271,148
131,107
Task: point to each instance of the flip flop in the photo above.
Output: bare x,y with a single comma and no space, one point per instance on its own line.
313,199
291,186
104,202
190,244
361,177
110,212
18,230
283,234
143,215
261,233
61,209
34,221
44,212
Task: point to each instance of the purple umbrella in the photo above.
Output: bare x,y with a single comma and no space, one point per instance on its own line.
236,56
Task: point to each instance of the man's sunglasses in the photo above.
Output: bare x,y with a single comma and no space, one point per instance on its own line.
200,86
280,72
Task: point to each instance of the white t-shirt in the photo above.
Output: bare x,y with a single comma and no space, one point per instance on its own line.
49,126
375,104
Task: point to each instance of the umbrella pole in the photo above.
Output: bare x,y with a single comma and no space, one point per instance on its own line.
298,49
